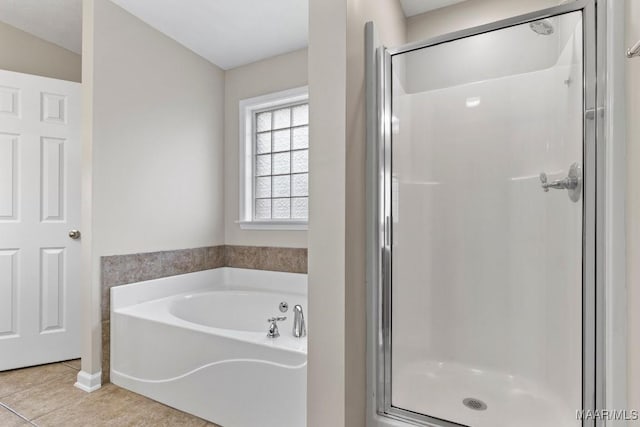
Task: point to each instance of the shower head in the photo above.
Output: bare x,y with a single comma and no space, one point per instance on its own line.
543,27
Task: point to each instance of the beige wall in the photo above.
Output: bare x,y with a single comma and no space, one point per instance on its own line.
469,14
156,142
327,157
632,24
337,354
26,53
259,78
91,314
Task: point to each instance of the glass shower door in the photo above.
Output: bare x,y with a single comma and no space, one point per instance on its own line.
485,200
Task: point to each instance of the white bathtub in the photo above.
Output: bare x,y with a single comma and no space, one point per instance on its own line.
198,342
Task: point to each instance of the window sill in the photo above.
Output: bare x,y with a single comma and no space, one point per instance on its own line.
274,225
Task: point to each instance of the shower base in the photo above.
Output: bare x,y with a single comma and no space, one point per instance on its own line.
438,389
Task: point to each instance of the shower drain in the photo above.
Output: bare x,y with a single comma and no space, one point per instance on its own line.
475,404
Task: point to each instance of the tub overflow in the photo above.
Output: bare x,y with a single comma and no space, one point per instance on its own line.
284,306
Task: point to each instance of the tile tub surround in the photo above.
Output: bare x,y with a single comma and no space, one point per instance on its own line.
44,396
124,269
119,270
288,260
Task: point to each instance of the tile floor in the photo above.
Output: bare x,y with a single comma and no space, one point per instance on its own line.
44,396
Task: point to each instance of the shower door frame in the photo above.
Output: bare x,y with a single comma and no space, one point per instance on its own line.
592,224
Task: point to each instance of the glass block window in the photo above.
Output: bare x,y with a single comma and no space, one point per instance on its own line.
282,163
274,161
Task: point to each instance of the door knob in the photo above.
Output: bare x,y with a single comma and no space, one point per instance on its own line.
74,234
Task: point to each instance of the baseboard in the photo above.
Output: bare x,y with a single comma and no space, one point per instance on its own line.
88,382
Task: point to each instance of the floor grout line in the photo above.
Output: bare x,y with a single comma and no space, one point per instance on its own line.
70,366
13,411
32,422
32,385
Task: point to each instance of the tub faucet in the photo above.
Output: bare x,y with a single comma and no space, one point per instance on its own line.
299,328
273,327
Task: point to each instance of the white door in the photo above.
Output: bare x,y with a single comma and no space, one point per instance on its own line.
39,204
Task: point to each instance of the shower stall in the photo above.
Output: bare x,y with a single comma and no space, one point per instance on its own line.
482,268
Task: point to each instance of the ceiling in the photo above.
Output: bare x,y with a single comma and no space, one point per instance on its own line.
227,33
57,21
416,7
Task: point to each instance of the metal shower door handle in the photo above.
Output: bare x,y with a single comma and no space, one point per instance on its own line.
568,183
572,182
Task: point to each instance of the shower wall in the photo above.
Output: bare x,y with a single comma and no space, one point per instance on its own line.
468,14
487,266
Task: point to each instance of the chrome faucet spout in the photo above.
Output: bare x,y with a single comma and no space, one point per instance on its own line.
299,327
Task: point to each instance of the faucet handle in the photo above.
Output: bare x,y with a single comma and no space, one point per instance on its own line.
273,327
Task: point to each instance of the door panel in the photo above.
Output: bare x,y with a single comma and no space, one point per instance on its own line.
8,176
40,122
8,291
52,279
